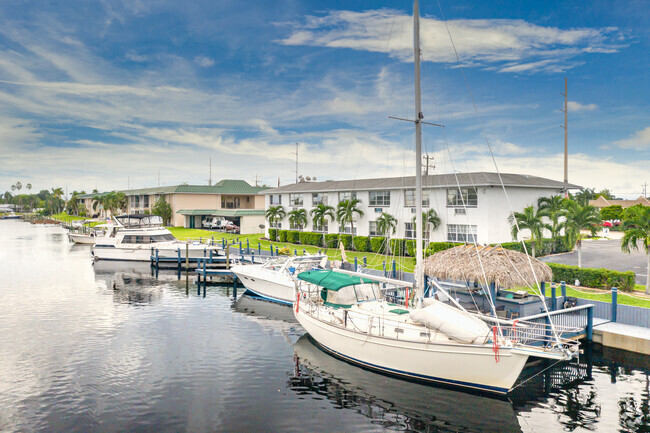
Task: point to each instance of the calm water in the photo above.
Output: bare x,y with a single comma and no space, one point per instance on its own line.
111,347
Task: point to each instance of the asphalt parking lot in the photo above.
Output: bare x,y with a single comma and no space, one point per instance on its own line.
605,254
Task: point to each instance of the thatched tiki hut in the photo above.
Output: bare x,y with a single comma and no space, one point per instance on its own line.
503,268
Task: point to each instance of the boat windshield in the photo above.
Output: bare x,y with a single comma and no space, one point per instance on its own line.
275,264
147,239
139,220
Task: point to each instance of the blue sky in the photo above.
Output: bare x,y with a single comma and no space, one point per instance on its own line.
110,93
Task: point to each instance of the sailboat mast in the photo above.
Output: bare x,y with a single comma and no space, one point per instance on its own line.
419,271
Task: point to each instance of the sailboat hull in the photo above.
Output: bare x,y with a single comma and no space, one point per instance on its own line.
468,366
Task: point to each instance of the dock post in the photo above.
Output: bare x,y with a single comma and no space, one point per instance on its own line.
187,267
384,264
365,261
248,247
553,297
234,287
277,250
295,252
271,250
157,263
178,250
210,255
228,258
590,324
259,249
152,256
542,289
394,269
223,243
614,303
304,252
205,274
493,291
241,249
356,265
563,289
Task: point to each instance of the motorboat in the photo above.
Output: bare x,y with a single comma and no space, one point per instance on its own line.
11,216
98,231
138,237
275,280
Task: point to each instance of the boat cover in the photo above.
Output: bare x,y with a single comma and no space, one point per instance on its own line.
331,280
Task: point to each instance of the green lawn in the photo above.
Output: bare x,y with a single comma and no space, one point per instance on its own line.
374,261
64,217
603,297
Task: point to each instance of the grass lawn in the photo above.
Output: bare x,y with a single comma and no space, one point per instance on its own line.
597,295
374,261
64,217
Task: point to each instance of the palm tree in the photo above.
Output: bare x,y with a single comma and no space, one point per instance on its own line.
31,200
578,218
554,208
320,213
637,228
583,197
57,193
98,202
386,225
429,217
345,212
275,214
298,218
531,219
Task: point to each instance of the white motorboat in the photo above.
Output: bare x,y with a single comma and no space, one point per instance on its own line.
11,216
275,280
136,237
98,231
349,316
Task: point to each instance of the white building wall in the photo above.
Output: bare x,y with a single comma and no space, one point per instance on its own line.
490,215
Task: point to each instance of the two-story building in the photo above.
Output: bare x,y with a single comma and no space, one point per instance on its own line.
235,200
471,206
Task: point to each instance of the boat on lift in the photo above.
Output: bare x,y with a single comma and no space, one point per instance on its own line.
136,237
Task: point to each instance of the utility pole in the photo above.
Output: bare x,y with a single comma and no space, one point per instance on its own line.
158,177
428,165
566,136
645,189
210,179
257,180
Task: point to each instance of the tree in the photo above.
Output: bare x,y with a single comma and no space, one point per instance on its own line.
531,219
163,210
56,200
386,224
614,212
320,213
275,214
72,207
345,212
554,208
579,218
637,228
19,186
298,218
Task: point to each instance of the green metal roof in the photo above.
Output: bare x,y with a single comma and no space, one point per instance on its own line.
225,186
221,212
331,280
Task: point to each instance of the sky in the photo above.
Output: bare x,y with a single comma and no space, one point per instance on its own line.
138,93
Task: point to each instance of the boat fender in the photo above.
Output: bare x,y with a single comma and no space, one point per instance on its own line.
451,321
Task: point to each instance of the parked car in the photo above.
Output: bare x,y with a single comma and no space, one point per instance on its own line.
220,223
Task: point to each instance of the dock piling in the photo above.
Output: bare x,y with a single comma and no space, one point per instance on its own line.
614,303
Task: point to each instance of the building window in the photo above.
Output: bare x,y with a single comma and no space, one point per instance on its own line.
295,199
276,225
347,195
230,202
293,226
317,198
409,198
321,228
379,198
462,197
461,233
372,228
146,201
348,230
409,230
275,199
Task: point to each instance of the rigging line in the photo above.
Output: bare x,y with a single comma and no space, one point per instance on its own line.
557,338
537,374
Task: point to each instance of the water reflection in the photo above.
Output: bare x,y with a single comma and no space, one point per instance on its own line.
131,282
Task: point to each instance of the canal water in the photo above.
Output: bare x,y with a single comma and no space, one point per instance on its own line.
113,347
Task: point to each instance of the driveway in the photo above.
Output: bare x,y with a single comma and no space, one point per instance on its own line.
605,254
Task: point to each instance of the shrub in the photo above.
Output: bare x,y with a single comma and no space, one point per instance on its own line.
398,247
311,238
592,277
293,236
284,251
435,247
547,246
282,235
331,240
378,245
273,234
361,243
347,241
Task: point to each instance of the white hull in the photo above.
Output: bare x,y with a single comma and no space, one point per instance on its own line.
464,365
143,253
267,284
81,239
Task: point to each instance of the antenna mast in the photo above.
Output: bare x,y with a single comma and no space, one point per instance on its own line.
566,136
296,162
210,179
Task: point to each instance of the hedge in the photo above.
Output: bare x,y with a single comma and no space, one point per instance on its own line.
293,236
347,241
378,244
398,247
282,235
332,240
593,277
273,234
435,247
311,238
361,243
548,246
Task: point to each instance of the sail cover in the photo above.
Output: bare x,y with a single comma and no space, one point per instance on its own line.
331,280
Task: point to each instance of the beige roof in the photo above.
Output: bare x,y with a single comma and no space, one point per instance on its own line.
506,268
602,202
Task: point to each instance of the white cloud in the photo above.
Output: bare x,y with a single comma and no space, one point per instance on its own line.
479,42
576,106
640,140
203,61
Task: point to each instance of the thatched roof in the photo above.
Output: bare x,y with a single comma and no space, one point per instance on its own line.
506,268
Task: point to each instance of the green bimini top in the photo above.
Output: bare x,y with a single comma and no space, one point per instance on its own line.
331,280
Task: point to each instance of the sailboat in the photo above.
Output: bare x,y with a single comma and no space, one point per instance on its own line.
357,317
